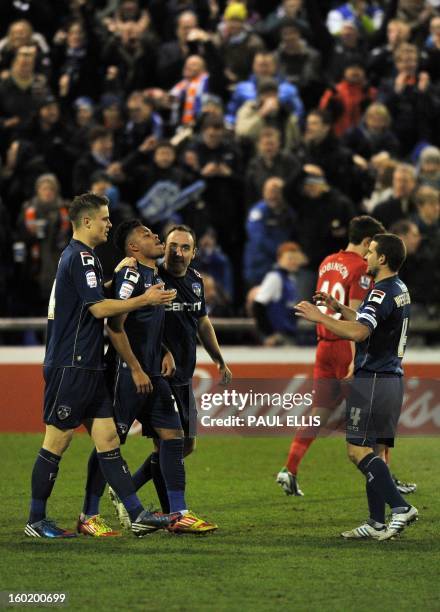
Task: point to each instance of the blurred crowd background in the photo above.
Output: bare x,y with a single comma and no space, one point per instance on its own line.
264,125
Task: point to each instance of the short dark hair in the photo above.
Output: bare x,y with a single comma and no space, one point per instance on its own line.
86,202
165,144
362,227
182,228
393,248
123,231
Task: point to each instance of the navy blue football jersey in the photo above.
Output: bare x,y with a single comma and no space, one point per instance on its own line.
386,311
74,336
144,327
182,320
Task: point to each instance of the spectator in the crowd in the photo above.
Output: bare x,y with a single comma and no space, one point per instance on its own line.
267,111
237,43
427,214
323,215
76,59
187,94
143,122
21,34
368,17
410,234
52,136
298,63
400,205
277,295
20,95
44,227
347,100
432,51
373,135
321,148
213,158
264,66
111,117
172,54
83,120
216,301
429,167
163,169
288,10
269,161
409,98
270,222
421,271
381,59
130,57
23,165
99,157
383,167
127,11
211,260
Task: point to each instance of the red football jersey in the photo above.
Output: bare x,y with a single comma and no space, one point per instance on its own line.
344,276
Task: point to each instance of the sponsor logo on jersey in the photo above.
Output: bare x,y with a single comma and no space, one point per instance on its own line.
87,259
197,288
126,290
63,412
364,281
91,279
377,296
184,307
131,275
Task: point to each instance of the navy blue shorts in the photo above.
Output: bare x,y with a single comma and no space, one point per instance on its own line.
73,394
155,410
373,409
186,403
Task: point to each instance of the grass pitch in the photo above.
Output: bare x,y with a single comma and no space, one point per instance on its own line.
271,551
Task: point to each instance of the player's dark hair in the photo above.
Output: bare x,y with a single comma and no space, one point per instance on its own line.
123,231
393,248
86,202
362,227
182,228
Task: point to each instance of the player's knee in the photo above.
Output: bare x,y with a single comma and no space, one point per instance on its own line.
353,453
105,439
56,440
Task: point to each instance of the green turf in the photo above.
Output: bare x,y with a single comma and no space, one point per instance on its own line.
272,552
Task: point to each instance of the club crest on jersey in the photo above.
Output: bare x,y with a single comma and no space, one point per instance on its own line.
131,275
64,412
377,296
197,288
87,259
364,281
91,279
126,290
122,428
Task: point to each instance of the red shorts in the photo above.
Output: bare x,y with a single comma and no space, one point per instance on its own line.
331,365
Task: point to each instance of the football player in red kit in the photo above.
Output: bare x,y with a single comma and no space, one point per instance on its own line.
342,275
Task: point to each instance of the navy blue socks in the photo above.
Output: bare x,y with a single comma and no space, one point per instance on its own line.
43,479
379,478
116,473
173,470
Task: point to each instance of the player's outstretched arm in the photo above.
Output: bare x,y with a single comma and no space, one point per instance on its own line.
119,339
153,296
349,330
209,340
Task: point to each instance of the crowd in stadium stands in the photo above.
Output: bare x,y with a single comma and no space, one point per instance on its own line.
258,123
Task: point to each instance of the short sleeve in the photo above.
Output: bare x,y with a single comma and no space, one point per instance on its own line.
127,284
270,289
376,308
360,286
86,277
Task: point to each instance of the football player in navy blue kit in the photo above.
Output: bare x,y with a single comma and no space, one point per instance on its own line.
185,318
75,392
141,390
379,328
